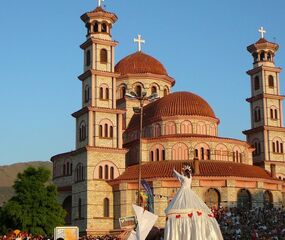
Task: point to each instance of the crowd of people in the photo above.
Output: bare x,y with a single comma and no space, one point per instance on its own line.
266,223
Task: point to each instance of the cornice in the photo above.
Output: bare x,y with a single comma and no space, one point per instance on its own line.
260,68
265,95
97,109
92,40
92,72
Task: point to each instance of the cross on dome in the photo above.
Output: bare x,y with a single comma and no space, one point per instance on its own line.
262,32
139,40
100,2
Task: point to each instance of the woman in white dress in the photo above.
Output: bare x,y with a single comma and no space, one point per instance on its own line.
188,217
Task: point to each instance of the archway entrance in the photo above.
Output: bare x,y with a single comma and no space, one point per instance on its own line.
244,199
67,206
268,199
213,198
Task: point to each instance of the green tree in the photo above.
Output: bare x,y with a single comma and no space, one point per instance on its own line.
34,207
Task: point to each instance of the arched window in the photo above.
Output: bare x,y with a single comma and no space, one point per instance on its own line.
257,115
271,81
157,130
106,207
186,127
96,27
106,130
180,152
138,90
106,172
165,92
82,131
86,93
163,154
64,171
221,152
71,169
277,145
103,55
100,172
79,208
256,83
262,56
268,198
104,27
269,56
122,92
100,131
153,89
112,172
157,154
170,128
67,168
151,156
79,172
275,114
101,94
107,93
88,58
111,132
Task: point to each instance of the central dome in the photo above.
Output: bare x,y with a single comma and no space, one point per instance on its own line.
139,63
174,104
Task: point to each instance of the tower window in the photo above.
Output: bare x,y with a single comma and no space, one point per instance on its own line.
82,131
122,92
112,172
106,172
101,93
256,83
104,27
275,114
107,93
88,58
86,93
138,90
271,81
257,115
100,172
153,89
262,56
103,56
96,27
157,154
269,56
100,131
106,130
111,132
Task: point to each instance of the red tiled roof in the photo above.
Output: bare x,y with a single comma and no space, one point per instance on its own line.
99,12
174,104
208,168
138,63
262,43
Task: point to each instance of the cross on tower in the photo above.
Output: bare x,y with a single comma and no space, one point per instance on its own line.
139,40
262,32
100,2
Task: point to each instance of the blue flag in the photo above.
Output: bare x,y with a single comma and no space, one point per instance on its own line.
147,188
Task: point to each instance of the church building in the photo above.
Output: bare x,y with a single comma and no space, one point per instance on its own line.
132,126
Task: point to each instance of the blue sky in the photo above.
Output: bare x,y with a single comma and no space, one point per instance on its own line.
201,43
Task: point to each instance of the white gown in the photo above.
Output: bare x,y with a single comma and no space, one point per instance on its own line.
188,217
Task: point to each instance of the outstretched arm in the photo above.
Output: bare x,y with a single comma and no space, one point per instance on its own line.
178,175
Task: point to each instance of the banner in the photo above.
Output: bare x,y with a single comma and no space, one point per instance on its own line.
150,200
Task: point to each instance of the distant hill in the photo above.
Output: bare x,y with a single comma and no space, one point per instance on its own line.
8,175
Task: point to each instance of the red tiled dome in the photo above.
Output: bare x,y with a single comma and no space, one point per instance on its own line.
174,104
164,169
138,63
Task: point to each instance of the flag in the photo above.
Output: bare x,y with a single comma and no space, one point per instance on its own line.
147,188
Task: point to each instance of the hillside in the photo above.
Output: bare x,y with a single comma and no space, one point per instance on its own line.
8,174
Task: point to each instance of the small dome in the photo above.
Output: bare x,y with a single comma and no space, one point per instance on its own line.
175,104
138,63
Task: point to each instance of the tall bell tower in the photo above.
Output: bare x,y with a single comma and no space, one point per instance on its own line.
99,155
267,133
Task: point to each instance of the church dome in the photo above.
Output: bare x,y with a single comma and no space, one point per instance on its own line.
139,63
174,104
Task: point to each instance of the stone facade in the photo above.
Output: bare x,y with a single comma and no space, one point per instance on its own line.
97,182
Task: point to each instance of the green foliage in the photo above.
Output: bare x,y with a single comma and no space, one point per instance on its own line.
34,208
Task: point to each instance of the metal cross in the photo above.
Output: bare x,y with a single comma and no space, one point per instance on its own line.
262,32
139,40
100,2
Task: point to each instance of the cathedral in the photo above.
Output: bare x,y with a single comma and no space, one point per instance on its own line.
132,127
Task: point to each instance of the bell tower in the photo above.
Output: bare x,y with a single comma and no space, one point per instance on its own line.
99,155
267,134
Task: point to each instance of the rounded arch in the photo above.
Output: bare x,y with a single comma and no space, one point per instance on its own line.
186,127
221,152
268,198
213,198
257,146
67,206
202,151
122,89
106,128
154,87
237,154
82,131
170,128
180,152
103,91
103,55
262,56
138,88
201,128
244,199
100,170
157,152
165,91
